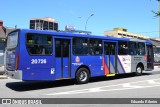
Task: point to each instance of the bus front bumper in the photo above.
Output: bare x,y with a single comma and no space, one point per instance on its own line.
14,74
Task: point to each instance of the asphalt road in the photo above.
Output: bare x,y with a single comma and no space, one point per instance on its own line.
120,86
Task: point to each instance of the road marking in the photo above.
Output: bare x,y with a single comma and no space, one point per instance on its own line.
131,86
123,86
95,90
153,82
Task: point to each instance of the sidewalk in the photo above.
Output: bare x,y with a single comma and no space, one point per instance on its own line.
157,68
3,77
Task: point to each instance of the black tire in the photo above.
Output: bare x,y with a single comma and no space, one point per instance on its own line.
82,76
139,70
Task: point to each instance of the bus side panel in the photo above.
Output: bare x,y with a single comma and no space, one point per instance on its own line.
136,60
125,62
120,68
112,64
76,62
35,67
133,63
94,63
37,74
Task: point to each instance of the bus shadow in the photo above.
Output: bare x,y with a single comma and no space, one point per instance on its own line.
37,85
119,76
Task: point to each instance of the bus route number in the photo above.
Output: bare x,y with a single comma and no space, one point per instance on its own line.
38,61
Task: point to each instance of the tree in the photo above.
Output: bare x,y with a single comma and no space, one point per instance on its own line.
158,12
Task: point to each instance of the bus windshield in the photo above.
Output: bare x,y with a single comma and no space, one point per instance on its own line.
2,49
12,40
2,46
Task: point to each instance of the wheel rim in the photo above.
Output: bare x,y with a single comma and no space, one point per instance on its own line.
83,76
139,70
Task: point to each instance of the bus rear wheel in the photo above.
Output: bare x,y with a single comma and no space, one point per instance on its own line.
82,76
139,70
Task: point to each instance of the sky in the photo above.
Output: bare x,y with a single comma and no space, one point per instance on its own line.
134,15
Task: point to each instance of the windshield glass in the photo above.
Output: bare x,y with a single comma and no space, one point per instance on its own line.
2,46
12,40
1,57
2,49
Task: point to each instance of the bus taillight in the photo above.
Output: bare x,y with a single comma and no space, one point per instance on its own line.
145,57
17,61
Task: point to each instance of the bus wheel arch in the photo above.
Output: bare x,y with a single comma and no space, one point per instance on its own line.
139,69
82,74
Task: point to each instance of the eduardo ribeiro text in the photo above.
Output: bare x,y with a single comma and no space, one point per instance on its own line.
144,101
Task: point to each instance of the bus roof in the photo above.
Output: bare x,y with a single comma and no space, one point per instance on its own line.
69,34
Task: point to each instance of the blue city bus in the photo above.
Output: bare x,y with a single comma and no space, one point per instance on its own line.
47,55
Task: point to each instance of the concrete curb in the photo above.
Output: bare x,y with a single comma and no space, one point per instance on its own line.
3,77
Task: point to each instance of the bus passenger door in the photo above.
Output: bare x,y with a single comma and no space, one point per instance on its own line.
150,57
110,57
62,58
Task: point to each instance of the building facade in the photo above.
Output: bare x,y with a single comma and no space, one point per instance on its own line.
121,32
43,24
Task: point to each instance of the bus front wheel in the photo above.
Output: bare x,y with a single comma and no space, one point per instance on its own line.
139,70
82,76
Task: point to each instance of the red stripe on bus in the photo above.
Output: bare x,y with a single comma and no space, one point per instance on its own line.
106,71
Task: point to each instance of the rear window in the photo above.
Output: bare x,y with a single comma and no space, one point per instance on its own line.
12,40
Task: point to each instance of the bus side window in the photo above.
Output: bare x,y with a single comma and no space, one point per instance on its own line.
95,46
122,48
132,48
112,49
39,44
141,48
32,51
106,49
80,45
